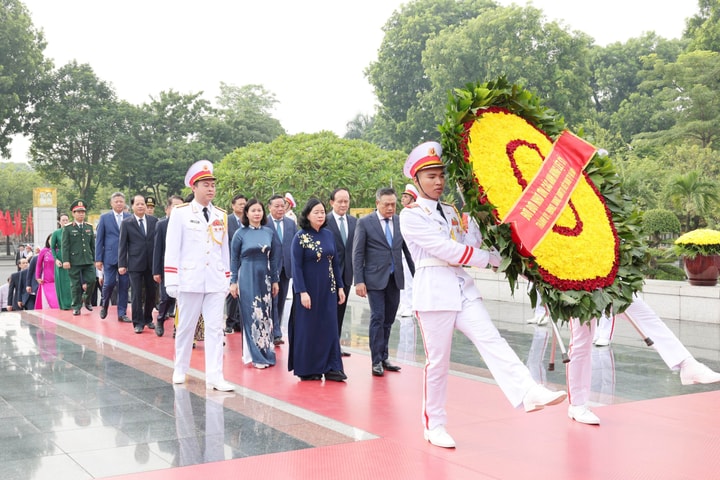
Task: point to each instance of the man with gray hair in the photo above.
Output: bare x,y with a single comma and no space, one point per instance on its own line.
106,257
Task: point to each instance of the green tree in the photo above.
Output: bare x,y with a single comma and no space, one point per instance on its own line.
77,128
693,196
359,127
243,117
309,165
398,76
703,29
520,44
617,69
658,224
22,65
163,138
677,102
18,183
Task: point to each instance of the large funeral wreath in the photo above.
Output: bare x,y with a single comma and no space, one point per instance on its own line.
495,137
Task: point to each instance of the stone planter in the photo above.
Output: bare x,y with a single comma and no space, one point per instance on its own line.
702,270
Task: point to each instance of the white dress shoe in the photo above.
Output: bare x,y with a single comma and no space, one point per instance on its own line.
439,437
602,342
220,385
692,372
582,414
539,397
534,320
260,365
542,320
178,377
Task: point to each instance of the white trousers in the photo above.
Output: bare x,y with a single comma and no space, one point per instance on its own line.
579,370
473,320
190,306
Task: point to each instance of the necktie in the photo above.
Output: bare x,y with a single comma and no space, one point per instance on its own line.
118,219
142,226
278,227
343,233
442,214
388,233
388,236
206,214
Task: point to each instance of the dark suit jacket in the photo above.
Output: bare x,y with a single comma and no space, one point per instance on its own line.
344,252
30,278
135,248
107,237
372,256
16,289
233,226
289,231
159,246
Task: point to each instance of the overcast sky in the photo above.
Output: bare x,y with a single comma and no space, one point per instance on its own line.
310,53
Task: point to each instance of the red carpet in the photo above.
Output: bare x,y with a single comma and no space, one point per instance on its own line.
668,438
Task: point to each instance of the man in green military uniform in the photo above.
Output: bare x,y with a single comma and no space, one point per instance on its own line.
78,257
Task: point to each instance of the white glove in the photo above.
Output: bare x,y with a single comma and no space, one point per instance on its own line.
495,258
172,290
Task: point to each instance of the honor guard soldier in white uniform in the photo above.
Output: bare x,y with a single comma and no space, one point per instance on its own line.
671,350
445,298
197,273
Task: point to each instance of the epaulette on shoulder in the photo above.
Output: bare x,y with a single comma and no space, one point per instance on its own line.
222,210
182,205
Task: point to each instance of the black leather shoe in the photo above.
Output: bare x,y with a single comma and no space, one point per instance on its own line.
151,326
310,377
160,329
138,328
76,311
377,370
390,367
89,307
344,353
125,319
278,341
335,376
103,312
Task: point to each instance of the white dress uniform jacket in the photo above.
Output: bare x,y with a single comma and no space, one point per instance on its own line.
438,248
197,256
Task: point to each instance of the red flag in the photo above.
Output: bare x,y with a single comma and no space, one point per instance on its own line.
3,226
8,223
29,223
18,223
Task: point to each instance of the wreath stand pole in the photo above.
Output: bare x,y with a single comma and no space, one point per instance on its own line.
648,341
557,340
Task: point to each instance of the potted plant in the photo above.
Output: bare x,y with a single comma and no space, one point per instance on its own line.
700,250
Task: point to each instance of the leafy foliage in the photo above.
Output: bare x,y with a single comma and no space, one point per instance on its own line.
309,165
657,223
22,66
77,129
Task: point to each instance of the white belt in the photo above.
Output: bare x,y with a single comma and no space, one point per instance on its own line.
432,262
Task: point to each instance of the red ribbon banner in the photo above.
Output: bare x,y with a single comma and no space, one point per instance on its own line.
544,199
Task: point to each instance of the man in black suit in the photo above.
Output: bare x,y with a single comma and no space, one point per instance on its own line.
31,283
233,320
16,289
378,270
343,227
285,229
135,258
167,303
